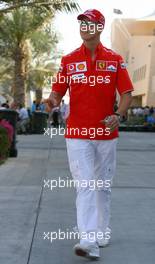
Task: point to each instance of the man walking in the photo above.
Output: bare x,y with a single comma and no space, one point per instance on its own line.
23,119
93,74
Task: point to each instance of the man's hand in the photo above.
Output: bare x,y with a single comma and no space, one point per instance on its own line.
54,100
111,122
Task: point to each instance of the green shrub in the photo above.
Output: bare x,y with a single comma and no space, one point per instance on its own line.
135,120
39,122
4,145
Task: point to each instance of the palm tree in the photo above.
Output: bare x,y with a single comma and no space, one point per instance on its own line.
43,64
6,73
16,32
38,78
40,62
62,5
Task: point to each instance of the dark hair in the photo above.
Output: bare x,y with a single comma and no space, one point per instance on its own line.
4,105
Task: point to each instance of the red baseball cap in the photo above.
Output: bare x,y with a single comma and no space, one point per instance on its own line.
93,15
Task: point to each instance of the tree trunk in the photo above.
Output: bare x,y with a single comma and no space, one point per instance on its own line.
38,95
19,75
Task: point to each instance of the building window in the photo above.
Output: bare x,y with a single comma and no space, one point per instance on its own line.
139,74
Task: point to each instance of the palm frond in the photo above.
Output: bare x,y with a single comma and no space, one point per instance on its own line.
61,5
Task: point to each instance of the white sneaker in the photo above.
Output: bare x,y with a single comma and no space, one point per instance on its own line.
103,242
87,250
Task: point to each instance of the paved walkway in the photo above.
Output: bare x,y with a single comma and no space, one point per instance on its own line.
28,208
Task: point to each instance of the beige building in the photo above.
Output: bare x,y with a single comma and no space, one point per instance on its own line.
134,39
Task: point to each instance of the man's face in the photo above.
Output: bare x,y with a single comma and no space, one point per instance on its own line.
90,30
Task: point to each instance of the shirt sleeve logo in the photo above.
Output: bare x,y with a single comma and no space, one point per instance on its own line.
77,67
123,65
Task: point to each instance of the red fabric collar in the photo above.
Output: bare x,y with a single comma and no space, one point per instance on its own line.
86,51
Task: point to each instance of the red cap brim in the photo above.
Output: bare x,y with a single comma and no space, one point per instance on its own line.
82,16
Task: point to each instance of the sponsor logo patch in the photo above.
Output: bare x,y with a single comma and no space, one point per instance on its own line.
71,68
106,65
77,67
78,76
101,65
123,65
112,66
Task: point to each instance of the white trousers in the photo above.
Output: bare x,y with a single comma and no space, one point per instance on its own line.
92,162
